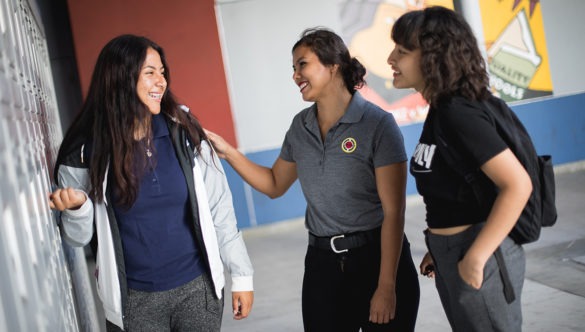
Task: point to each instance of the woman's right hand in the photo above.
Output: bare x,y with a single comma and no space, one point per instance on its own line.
66,199
220,146
427,266
272,181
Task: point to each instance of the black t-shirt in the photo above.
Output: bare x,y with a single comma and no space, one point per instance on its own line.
471,131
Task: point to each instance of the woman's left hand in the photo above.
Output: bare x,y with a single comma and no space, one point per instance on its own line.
383,306
242,304
470,272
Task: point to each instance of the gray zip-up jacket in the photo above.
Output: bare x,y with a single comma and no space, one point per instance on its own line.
214,224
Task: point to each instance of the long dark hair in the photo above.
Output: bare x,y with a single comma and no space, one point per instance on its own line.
112,113
331,50
451,62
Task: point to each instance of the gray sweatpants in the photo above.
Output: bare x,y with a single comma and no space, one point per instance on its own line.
469,309
190,307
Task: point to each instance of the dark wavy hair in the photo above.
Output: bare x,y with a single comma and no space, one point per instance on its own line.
451,62
331,50
112,113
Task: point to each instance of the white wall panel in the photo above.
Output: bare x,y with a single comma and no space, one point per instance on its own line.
563,29
257,37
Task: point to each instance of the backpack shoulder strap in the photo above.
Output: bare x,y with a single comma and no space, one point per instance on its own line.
479,183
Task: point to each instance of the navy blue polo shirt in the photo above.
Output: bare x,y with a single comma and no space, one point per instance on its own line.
160,250
337,174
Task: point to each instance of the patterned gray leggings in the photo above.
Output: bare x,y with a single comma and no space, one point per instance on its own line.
191,307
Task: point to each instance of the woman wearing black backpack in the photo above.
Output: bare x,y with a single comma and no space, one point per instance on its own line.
437,54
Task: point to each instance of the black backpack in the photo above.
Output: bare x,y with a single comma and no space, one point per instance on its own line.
540,210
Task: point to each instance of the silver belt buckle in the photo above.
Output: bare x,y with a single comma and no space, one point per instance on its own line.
332,242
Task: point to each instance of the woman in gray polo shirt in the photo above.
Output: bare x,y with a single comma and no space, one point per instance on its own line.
349,157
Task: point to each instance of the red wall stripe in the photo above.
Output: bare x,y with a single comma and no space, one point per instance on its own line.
187,31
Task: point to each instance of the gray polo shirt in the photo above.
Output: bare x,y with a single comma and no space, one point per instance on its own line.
337,175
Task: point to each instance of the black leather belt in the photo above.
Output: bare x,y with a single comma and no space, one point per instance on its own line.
343,242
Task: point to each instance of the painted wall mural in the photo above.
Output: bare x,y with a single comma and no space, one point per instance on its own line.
515,48
366,28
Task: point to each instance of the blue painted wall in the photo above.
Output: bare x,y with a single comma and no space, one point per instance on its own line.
556,125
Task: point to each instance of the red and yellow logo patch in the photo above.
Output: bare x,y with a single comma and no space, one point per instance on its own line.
348,145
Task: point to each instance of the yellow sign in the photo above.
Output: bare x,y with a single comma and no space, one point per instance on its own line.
516,49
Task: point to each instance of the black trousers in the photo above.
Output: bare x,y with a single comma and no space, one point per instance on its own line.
338,299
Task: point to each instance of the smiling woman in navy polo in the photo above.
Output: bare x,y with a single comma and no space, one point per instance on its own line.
159,255
138,169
